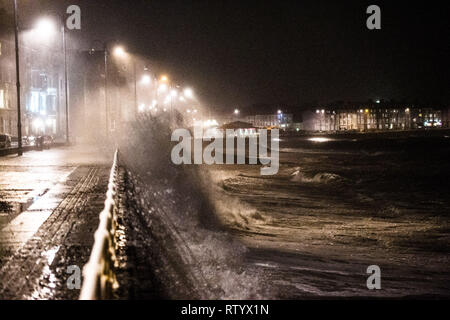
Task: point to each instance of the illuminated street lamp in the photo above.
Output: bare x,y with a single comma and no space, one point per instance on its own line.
145,79
45,26
162,87
236,111
164,78
119,52
188,93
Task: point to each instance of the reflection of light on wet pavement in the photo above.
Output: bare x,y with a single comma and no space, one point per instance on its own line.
48,279
320,139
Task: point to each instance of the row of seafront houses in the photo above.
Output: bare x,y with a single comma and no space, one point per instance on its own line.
356,117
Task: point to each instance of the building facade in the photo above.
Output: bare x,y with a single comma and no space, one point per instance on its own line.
280,120
42,85
372,118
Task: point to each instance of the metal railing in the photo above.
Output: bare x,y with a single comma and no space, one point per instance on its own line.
99,277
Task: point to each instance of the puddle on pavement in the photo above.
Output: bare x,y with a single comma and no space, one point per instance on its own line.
11,209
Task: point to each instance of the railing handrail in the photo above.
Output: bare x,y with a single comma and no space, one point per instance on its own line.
99,278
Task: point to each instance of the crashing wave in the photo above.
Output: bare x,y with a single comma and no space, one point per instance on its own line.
322,177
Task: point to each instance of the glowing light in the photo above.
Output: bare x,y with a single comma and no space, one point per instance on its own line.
182,99
280,112
38,124
367,110
164,78
188,93
174,93
210,123
236,111
145,79
119,52
319,139
45,27
162,87
141,108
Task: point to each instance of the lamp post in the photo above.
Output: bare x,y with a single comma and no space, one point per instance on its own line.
106,89
19,119
66,80
117,51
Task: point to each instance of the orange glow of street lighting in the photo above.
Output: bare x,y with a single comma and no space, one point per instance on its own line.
164,78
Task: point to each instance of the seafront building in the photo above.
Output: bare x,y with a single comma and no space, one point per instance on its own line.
42,84
377,116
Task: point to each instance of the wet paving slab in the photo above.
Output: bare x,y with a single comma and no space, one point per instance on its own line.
38,268
49,226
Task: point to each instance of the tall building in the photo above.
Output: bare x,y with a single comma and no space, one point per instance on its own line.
42,84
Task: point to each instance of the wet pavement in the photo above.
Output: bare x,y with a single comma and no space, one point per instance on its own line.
50,203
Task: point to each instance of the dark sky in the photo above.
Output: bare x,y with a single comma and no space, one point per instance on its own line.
237,53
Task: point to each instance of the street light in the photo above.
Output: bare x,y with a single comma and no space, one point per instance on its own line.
45,26
162,87
119,51
188,93
236,111
145,79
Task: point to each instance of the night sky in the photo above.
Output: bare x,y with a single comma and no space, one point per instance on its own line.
239,53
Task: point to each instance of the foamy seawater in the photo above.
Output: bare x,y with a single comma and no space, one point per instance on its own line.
339,205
